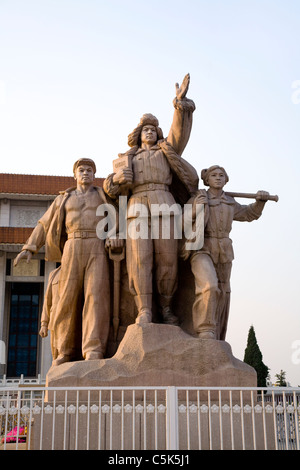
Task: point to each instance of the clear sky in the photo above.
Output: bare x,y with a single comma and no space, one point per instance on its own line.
76,76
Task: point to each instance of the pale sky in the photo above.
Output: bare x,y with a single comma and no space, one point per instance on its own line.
76,76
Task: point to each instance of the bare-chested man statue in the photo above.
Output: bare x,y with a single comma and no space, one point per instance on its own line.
68,231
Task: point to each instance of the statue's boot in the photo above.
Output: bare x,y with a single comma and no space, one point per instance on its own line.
93,355
61,359
144,307
168,317
207,335
204,313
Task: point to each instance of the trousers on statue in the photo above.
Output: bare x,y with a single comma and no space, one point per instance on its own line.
151,260
83,309
212,294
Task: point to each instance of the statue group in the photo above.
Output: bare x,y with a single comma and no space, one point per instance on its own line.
168,220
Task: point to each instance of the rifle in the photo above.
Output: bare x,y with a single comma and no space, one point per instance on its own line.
251,196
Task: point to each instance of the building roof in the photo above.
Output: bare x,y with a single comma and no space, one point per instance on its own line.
14,235
11,183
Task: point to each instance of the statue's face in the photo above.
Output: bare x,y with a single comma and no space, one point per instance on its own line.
216,179
149,135
84,174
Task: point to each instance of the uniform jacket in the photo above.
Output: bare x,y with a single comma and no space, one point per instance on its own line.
220,212
163,164
50,230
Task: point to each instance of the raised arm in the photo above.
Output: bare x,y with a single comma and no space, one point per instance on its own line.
183,117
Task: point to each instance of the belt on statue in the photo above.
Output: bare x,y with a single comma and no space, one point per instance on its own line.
83,234
216,234
150,187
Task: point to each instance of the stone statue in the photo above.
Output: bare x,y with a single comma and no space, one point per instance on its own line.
68,231
211,265
158,176
48,318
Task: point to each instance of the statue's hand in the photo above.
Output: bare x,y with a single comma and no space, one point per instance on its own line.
201,197
24,254
182,90
262,196
115,244
123,176
43,331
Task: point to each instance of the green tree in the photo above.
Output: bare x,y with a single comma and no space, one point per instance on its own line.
253,357
281,379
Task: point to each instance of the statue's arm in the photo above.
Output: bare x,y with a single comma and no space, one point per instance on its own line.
182,119
38,235
250,212
111,188
32,245
36,239
48,303
117,184
45,317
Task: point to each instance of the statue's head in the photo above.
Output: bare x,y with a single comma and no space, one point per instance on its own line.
146,120
212,170
84,161
84,171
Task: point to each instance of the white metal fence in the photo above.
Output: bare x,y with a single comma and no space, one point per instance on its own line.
163,418
8,382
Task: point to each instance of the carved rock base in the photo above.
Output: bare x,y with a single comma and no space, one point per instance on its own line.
158,355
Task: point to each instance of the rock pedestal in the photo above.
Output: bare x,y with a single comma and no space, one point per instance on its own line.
149,356
159,355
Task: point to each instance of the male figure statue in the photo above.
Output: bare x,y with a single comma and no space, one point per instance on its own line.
211,266
68,231
156,164
48,317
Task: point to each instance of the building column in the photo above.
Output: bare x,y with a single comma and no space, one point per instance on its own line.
4,212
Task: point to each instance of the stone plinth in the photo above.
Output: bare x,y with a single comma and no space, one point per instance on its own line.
153,355
159,355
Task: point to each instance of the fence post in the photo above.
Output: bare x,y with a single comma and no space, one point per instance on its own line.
172,418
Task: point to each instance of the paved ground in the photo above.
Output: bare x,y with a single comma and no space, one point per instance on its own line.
12,446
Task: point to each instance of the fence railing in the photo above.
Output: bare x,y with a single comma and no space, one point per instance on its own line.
8,382
152,418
